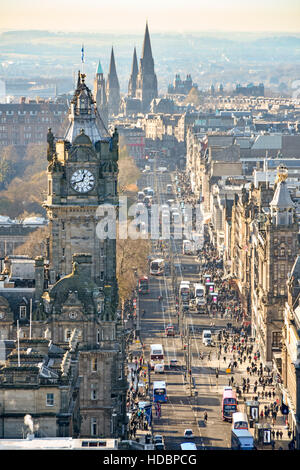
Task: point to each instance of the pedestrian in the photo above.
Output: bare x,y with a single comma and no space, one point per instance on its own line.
205,416
277,434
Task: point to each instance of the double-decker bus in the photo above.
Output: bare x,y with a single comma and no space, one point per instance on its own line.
159,392
157,266
229,404
143,285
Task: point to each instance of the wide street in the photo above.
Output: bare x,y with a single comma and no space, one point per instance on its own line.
184,409
189,395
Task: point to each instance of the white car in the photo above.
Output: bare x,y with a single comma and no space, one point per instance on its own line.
188,433
159,368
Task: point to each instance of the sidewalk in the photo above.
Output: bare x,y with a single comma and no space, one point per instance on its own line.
238,374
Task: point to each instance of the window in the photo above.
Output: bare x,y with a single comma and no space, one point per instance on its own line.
50,399
102,276
98,336
94,426
67,335
94,364
101,251
22,311
93,391
276,339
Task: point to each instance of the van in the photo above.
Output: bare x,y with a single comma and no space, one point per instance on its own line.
206,337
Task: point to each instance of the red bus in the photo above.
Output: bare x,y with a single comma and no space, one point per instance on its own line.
229,404
143,285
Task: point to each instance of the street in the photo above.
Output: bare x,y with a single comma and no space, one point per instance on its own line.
193,386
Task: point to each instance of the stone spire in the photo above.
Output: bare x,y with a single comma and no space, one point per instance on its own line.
100,94
133,76
113,87
147,51
146,79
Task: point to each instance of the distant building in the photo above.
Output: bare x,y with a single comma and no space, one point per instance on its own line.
2,91
250,90
181,87
28,121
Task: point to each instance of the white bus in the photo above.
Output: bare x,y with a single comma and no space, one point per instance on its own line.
184,289
157,266
199,291
239,421
242,439
156,356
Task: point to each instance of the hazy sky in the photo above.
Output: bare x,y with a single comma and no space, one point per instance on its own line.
162,15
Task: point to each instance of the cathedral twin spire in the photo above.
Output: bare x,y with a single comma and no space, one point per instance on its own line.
142,83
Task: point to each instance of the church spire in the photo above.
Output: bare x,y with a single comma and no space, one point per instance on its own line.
100,94
133,76
147,51
112,73
113,87
146,88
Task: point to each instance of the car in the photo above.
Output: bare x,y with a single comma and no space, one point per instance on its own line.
169,331
188,433
173,362
158,439
159,446
159,368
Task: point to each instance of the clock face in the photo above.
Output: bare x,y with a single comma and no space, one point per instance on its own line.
82,180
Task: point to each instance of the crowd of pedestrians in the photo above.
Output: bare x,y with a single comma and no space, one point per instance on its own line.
138,390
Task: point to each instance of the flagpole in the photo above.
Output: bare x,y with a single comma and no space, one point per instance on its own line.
18,337
30,319
82,59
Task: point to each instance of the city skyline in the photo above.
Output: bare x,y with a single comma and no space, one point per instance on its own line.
168,16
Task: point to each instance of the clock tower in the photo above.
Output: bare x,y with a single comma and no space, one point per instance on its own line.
82,175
